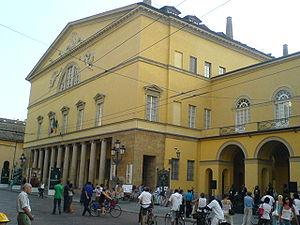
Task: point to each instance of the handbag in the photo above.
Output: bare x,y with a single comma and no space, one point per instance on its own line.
260,211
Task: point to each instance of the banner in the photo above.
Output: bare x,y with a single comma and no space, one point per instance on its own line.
55,176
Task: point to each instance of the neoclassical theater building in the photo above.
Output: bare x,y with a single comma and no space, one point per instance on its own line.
179,97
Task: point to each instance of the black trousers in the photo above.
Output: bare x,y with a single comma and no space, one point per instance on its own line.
86,203
188,209
66,203
58,203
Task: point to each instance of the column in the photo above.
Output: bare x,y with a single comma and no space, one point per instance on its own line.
59,156
82,164
66,163
74,163
35,158
45,169
52,160
41,157
252,173
92,162
102,161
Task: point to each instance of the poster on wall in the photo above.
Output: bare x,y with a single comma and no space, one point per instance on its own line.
112,171
128,174
55,176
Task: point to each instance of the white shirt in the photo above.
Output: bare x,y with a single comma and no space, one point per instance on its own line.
297,204
286,214
202,202
145,199
43,186
267,210
271,199
23,202
216,209
176,200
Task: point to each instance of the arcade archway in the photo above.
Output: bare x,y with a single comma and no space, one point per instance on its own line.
232,165
274,165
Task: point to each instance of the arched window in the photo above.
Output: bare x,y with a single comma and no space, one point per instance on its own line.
283,106
242,115
70,77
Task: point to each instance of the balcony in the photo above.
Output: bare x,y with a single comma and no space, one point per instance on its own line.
293,121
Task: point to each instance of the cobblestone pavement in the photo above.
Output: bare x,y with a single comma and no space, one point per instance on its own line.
42,211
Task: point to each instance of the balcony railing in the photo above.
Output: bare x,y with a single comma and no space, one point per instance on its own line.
293,121
273,124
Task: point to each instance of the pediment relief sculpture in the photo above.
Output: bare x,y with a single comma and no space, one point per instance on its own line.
54,77
88,59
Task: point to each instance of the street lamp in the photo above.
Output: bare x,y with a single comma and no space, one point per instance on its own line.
116,154
22,160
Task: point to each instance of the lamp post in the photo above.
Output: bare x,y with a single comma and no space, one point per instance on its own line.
23,160
116,154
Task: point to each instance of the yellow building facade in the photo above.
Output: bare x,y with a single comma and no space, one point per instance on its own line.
11,147
158,82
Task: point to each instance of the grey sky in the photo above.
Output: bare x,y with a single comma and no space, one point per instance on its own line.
265,25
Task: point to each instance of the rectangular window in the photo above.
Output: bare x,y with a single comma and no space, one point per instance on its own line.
80,119
193,64
99,114
175,169
178,59
207,118
190,170
192,116
222,70
64,123
207,69
151,108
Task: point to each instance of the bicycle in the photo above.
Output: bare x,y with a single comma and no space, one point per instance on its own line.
202,216
148,218
179,220
110,206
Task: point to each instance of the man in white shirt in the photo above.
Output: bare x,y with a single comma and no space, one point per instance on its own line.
145,199
272,200
23,207
176,201
217,211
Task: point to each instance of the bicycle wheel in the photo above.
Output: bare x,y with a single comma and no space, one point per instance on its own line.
116,211
168,219
94,206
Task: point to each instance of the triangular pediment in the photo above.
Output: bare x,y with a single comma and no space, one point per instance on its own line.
77,33
153,88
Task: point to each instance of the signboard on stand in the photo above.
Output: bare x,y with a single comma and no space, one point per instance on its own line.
55,176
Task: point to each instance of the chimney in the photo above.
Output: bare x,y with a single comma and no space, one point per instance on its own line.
285,50
229,32
148,2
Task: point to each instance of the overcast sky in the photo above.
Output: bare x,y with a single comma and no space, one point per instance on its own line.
263,24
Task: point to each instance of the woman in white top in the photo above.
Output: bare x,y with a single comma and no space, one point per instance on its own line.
226,207
297,206
202,202
287,213
267,208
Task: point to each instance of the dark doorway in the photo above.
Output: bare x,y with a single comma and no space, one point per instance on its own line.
149,171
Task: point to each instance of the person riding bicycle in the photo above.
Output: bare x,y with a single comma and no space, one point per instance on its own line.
176,201
217,212
102,198
146,201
